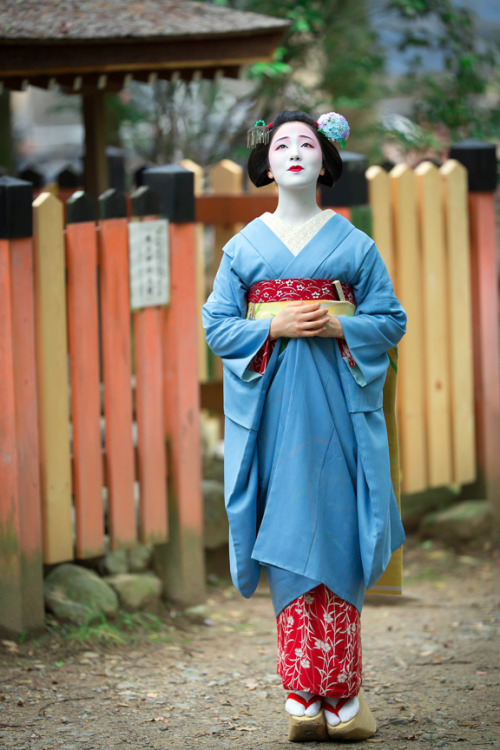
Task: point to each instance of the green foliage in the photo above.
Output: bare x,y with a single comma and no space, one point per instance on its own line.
465,98
127,628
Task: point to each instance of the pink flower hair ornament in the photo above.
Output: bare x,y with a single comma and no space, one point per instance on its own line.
333,126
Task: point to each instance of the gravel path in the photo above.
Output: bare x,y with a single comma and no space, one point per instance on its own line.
431,673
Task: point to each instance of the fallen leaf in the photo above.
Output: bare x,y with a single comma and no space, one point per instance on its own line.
251,684
469,724
376,740
247,729
124,705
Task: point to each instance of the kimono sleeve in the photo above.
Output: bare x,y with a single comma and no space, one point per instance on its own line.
229,335
379,322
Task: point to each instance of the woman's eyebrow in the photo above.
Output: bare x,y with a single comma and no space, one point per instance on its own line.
287,137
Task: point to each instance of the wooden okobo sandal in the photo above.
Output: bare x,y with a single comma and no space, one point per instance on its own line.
306,728
361,727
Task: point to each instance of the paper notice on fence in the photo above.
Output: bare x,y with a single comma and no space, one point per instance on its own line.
149,271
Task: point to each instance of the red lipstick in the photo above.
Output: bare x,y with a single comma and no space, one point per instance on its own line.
296,169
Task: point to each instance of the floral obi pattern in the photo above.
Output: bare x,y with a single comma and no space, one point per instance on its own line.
267,298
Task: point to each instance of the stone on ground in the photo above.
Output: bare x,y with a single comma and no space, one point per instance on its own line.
139,558
115,561
467,523
77,595
136,591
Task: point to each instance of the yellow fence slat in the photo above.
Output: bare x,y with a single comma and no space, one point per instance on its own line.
435,323
52,369
455,211
410,375
226,178
380,203
201,294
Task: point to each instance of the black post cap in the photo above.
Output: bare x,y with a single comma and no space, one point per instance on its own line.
112,204
30,174
138,175
116,167
70,178
174,186
351,189
144,202
80,208
16,215
480,160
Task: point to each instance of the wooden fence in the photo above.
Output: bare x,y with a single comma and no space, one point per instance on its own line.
99,408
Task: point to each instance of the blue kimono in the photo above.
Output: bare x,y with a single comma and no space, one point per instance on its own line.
306,465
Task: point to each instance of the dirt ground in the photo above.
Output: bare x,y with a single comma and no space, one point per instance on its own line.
431,672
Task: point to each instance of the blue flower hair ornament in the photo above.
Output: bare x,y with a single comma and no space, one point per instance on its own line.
335,127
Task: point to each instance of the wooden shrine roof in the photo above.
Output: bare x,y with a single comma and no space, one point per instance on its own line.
99,43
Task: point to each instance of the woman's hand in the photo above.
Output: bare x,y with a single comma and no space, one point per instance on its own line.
333,329
300,320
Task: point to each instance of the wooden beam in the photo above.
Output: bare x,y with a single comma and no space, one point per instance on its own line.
233,209
25,59
96,167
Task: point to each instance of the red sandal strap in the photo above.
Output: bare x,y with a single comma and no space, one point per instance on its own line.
328,706
301,700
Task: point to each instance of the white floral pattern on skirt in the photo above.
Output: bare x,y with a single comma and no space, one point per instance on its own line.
319,645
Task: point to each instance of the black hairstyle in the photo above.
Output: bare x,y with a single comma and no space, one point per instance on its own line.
258,161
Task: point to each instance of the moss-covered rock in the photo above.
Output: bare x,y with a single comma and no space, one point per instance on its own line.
77,595
468,523
137,591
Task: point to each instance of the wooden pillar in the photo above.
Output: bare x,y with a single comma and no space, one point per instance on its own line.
180,562
480,160
96,166
21,571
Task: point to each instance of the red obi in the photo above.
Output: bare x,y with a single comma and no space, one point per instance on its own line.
290,290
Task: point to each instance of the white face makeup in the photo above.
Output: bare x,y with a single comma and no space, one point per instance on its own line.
295,157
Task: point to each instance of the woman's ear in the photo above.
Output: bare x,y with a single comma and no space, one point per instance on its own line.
322,170
270,174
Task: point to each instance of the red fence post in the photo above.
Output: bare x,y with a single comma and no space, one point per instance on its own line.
480,160
83,330
117,366
151,442
21,571
181,561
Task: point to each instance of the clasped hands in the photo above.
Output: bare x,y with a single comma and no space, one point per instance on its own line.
301,320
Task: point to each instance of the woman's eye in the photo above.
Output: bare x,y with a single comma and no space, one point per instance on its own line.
282,145
309,145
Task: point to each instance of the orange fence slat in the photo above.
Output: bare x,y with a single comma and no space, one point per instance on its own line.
117,375
26,412
81,252
10,561
184,554
150,429
484,276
